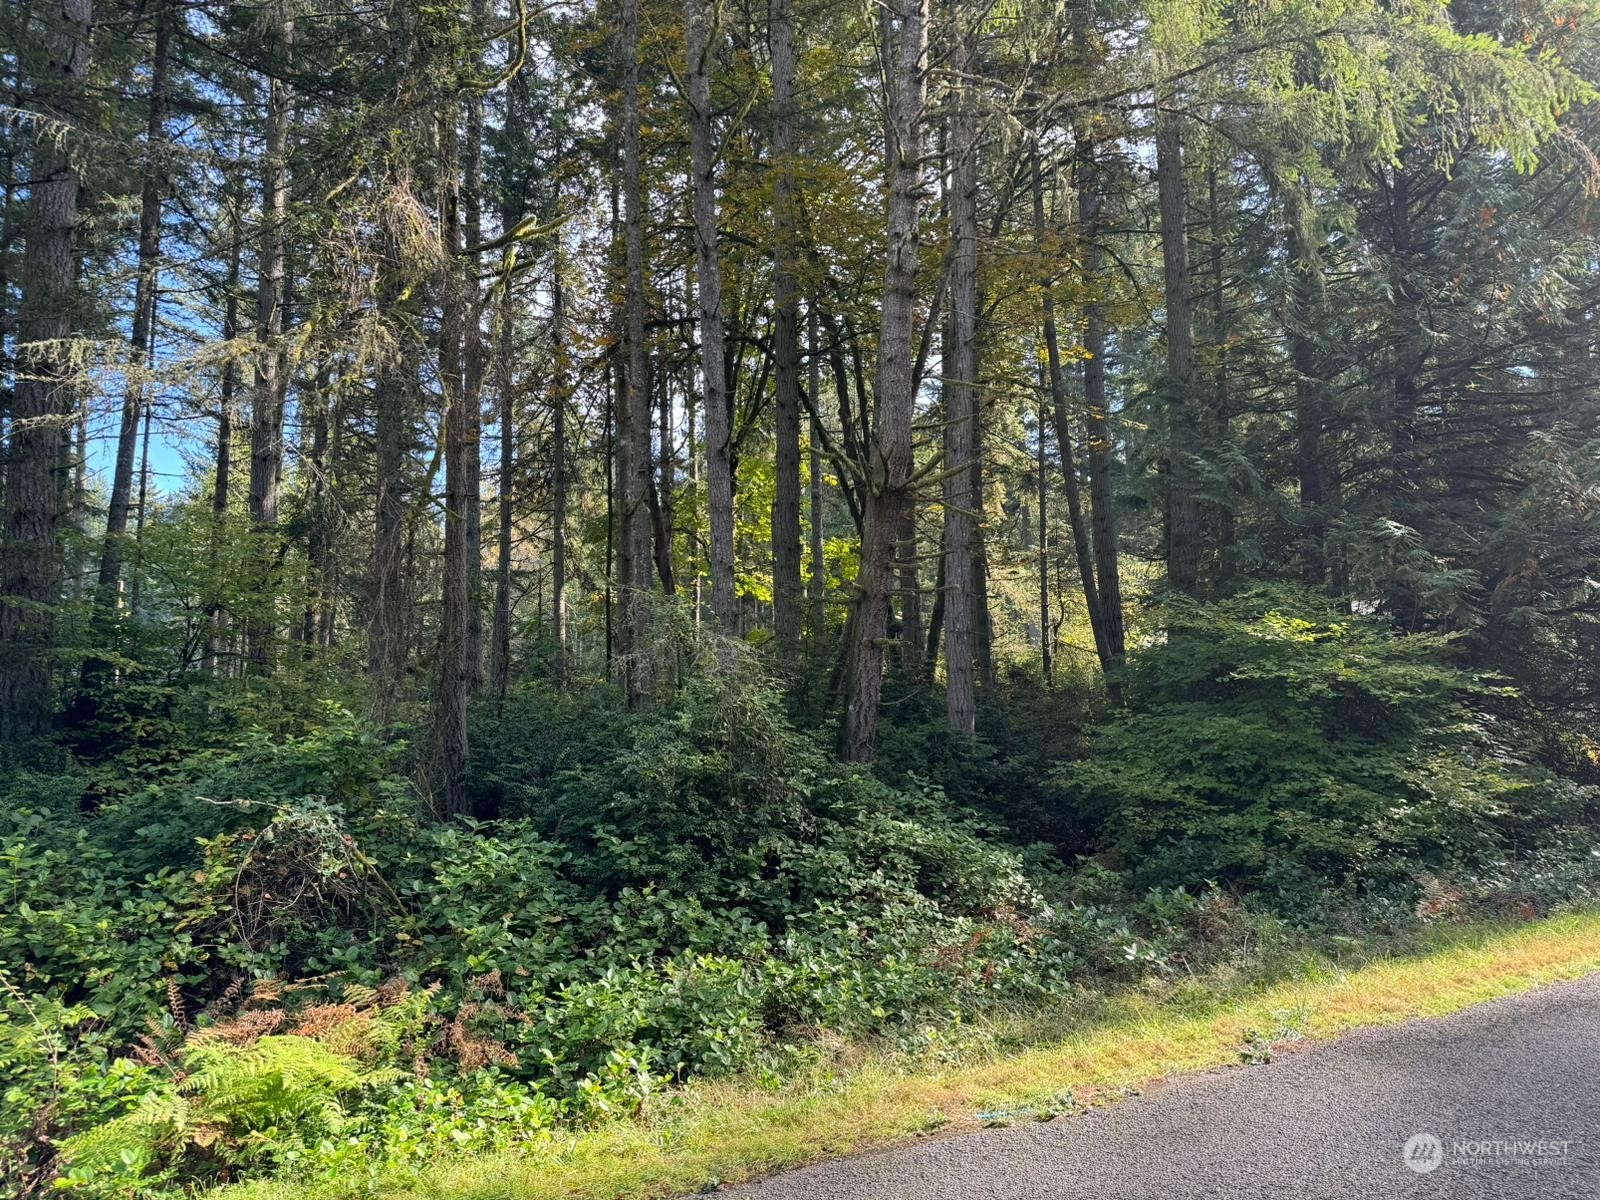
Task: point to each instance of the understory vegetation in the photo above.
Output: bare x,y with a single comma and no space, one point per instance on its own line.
251,956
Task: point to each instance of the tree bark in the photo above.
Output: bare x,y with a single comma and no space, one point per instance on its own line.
268,392
1097,421
319,537
1308,292
713,344
961,400
1063,431
819,567
887,467
136,584
30,560
908,641
1183,506
387,618
633,407
455,646
222,475
559,388
474,361
505,385
787,594
1046,633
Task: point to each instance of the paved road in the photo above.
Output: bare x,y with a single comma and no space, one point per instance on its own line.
1326,1123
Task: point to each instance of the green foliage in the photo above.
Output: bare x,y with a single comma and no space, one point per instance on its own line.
1274,737
216,964
55,1076
233,1105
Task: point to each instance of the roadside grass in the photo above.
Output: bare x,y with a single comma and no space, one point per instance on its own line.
1091,1051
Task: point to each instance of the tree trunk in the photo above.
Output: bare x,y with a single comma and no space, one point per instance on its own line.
930,657
222,477
786,588
30,561
136,584
633,407
909,639
1046,633
333,520
455,646
1410,350
319,537
387,619
1063,431
559,388
474,361
982,618
961,401
505,385
666,468
713,346
149,252
819,567
1102,490
267,400
1308,291
887,467
1183,505
1219,414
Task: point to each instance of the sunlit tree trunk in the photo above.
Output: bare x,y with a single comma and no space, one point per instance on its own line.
559,483
819,568
713,348
961,397
887,463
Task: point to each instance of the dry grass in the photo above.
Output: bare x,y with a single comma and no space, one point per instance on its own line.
722,1133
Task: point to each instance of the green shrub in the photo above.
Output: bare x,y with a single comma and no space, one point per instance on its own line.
1274,732
56,1076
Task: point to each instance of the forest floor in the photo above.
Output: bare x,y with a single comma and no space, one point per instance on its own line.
1084,1055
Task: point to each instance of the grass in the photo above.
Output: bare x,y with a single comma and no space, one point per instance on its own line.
724,1133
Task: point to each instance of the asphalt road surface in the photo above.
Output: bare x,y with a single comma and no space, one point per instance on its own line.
1412,1110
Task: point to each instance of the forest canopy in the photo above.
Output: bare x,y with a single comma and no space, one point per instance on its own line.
554,551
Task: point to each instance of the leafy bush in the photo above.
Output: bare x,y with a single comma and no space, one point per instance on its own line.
56,1076
1275,733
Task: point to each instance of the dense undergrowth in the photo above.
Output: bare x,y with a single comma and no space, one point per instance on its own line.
252,953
